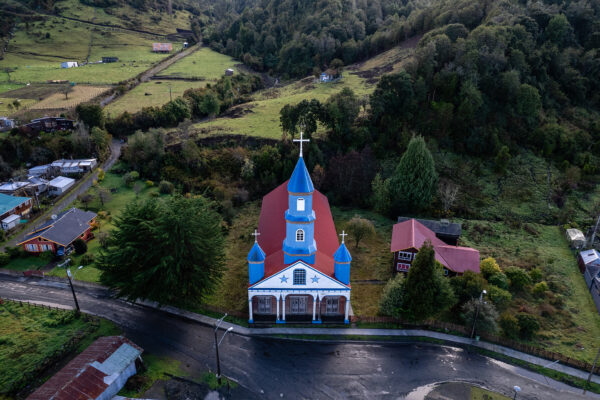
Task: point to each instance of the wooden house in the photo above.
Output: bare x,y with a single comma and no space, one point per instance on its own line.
13,205
408,237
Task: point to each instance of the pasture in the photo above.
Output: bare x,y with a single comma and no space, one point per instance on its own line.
37,49
79,94
261,116
154,93
204,63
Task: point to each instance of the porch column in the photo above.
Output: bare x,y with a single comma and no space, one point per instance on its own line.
277,297
346,321
283,311
250,320
315,299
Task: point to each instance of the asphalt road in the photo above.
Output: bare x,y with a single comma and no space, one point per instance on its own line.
115,153
277,368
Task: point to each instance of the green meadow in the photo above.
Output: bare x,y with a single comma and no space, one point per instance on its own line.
205,64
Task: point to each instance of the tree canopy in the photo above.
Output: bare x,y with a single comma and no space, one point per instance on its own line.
169,250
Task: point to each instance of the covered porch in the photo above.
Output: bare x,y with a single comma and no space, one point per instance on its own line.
302,307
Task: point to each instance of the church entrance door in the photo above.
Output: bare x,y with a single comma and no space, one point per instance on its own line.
298,304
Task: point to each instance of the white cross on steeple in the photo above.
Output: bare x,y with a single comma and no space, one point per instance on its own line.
343,235
301,140
256,235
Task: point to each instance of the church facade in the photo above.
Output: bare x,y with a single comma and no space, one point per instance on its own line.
298,271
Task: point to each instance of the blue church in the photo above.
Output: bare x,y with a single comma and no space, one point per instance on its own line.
298,270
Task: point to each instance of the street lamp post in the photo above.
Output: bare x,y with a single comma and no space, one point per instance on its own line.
477,311
217,344
72,289
517,390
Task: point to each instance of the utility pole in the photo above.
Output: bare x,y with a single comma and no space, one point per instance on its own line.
591,372
218,343
477,312
73,291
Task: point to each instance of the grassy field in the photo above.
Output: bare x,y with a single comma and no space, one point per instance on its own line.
79,94
573,330
34,57
30,335
205,63
5,110
127,17
261,116
25,263
5,87
149,94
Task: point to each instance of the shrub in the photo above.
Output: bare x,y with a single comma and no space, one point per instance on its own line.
46,256
360,228
101,174
489,267
4,258
87,259
393,297
500,297
540,289
80,246
510,325
518,278
483,315
15,252
500,280
536,275
528,325
130,178
149,183
165,187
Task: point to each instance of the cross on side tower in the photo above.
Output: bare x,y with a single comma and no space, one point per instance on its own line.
343,235
256,235
301,140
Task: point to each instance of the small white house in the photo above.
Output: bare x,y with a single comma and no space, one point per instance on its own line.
576,238
229,72
59,185
74,166
69,64
10,222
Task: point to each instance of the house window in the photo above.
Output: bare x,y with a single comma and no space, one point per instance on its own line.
332,305
405,255
32,247
299,277
402,267
445,272
46,247
298,304
300,204
264,305
299,235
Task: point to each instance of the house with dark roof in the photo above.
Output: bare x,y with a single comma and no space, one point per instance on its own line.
589,264
59,232
410,235
298,270
13,205
99,372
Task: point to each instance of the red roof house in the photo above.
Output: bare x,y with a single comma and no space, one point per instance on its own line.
99,372
409,236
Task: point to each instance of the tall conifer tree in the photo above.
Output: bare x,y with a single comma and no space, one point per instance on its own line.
415,180
170,251
426,291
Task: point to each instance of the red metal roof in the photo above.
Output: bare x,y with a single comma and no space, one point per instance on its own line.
78,382
271,226
412,234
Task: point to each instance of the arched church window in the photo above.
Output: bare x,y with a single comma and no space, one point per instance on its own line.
299,277
299,235
300,204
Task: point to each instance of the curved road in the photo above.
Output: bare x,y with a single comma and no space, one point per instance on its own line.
276,368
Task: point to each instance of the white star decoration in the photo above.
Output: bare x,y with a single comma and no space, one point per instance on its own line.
315,279
283,278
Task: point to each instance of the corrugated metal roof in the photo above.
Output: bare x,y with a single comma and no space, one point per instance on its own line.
119,360
589,256
79,379
8,203
61,182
